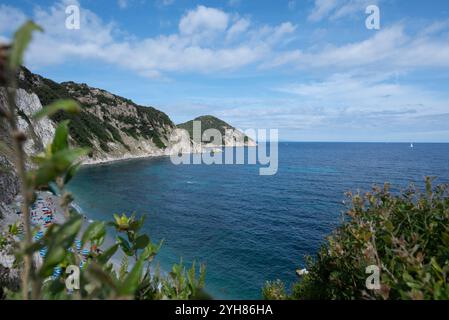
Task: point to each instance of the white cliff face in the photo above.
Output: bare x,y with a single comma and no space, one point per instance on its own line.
139,149
41,132
180,143
177,142
238,139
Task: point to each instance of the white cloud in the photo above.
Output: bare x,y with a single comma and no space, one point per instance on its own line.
211,40
322,9
201,45
238,28
390,48
382,46
344,106
122,4
10,18
233,3
163,3
377,94
353,7
336,9
291,4
203,19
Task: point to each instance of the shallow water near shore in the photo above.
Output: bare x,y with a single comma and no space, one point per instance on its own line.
249,228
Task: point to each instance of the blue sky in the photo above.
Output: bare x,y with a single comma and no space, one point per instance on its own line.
309,68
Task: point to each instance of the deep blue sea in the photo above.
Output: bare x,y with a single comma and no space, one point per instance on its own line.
249,228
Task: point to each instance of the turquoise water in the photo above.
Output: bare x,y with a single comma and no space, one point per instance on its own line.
249,228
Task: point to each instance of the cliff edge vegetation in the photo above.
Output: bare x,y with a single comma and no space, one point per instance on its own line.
390,246
233,138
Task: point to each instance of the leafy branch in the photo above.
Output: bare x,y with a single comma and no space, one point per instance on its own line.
66,244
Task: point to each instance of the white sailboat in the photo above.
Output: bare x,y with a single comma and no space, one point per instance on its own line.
411,145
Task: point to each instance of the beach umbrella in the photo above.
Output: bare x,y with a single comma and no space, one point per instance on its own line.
43,252
56,272
85,253
38,235
78,245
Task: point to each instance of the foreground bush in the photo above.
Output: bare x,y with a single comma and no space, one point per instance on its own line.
406,236
63,261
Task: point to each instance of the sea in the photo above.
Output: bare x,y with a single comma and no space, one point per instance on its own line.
249,228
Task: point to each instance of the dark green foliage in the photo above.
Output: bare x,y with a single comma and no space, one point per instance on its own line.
153,116
86,127
146,125
158,142
49,91
406,236
131,131
79,89
207,122
116,134
125,119
101,99
274,290
83,127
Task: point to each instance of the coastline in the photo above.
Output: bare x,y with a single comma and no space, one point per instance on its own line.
125,157
52,200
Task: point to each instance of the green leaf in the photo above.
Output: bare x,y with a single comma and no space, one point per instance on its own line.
202,277
54,256
191,275
102,275
22,38
34,247
56,165
131,282
71,172
60,140
151,250
125,246
445,239
135,225
123,271
65,158
66,234
107,254
437,268
96,230
141,242
59,105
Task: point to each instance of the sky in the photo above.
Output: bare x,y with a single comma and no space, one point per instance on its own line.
309,68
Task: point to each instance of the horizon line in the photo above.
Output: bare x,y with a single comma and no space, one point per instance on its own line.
327,141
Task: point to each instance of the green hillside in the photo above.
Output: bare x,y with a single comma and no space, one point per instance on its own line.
208,122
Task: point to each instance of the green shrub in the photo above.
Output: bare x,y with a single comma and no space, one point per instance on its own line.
158,142
406,236
274,290
53,169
